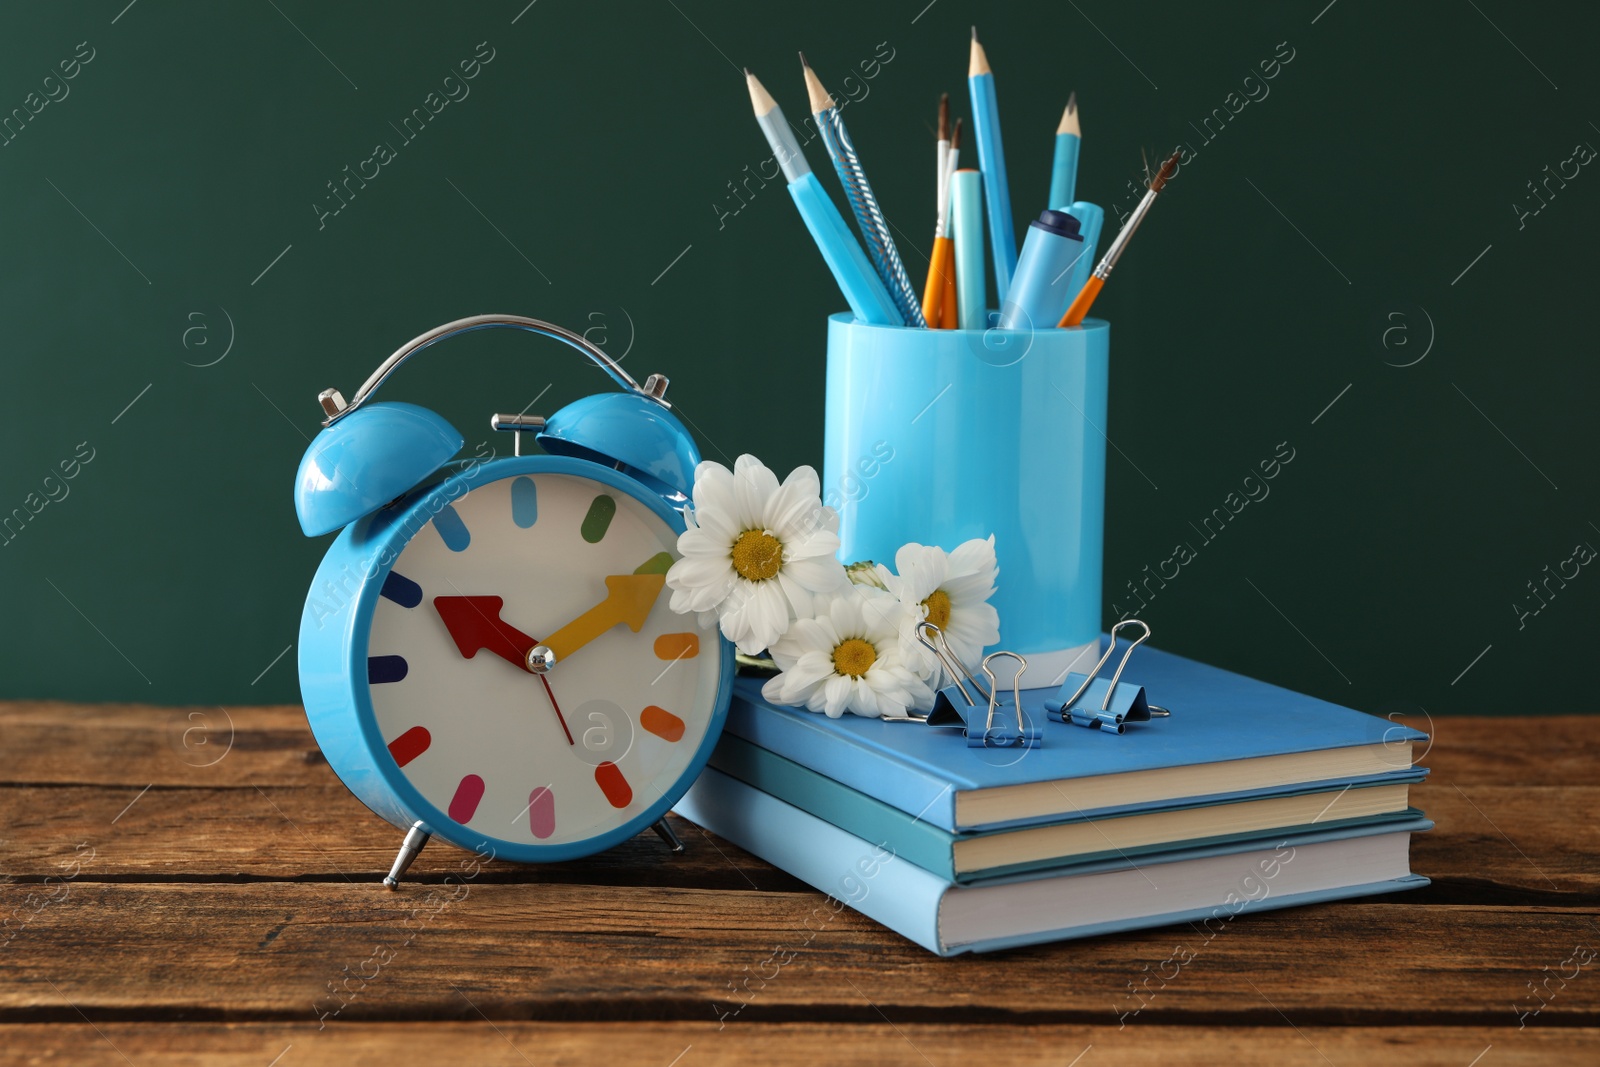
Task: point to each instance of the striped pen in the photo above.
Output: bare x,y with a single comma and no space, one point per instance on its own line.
869,216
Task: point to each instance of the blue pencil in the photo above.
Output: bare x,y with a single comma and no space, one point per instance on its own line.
1064,175
861,287
992,162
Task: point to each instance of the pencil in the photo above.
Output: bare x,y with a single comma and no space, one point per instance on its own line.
874,228
1091,289
948,318
966,230
860,284
1064,174
992,162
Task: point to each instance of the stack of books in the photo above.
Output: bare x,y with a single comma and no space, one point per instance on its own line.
1249,797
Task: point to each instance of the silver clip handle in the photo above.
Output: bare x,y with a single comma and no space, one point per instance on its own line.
994,689
335,407
940,647
1105,705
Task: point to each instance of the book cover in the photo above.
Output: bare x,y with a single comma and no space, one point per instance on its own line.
1268,738
934,849
947,919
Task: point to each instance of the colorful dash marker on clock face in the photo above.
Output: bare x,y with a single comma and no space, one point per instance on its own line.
677,646
662,723
524,502
542,812
386,669
402,590
608,776
464,805
409,745
598,520
454,532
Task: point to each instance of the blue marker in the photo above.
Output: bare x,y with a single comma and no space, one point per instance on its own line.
1090,218
1040,289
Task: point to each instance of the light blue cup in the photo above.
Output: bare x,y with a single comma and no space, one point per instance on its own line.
940,436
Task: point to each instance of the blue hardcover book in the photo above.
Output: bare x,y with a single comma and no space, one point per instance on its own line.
1208,886
972,857
1229,738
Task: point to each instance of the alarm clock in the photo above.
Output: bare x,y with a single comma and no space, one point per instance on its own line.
487,653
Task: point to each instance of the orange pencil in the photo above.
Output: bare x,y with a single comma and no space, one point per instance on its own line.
1091,288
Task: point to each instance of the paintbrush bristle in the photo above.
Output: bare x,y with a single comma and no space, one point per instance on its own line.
1164,175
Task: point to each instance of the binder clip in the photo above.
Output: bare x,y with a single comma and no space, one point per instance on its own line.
982,714
1118,705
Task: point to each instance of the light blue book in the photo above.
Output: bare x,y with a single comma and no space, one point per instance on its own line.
972,857
1210,887
1229,738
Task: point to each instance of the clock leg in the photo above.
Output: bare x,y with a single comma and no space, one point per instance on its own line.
416,837
664,831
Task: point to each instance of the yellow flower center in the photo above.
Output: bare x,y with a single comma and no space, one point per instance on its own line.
757,555
853,656
938,605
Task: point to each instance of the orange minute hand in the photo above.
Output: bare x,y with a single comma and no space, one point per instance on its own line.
628,600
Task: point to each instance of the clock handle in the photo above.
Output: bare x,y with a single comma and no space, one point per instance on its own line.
334,405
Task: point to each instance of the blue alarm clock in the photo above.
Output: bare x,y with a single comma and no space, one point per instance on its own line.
486,651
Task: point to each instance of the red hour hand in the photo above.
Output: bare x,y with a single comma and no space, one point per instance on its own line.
474,623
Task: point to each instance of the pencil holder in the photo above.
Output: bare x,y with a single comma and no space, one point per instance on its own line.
940,436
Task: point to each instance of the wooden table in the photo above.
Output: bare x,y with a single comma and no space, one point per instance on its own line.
187,886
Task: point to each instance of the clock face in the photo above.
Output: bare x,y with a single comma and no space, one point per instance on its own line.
558,562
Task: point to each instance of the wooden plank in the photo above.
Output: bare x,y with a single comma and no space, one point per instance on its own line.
135,745
516,1044
309,834
562,952
322,833
1500,844
1537,750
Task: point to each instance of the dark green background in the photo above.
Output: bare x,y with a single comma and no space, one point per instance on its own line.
600,142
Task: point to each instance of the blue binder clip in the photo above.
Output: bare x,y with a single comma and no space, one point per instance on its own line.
1119,705
982,714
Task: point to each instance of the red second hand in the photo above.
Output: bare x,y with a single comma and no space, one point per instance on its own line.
562,718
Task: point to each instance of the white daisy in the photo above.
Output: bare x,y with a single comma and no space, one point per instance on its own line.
755,551
847,659
950,590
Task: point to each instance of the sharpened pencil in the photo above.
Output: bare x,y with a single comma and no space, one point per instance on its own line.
1064,172
992,162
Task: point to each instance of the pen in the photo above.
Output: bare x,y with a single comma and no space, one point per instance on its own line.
874,227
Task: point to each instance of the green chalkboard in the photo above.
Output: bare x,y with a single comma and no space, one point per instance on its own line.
1376,261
